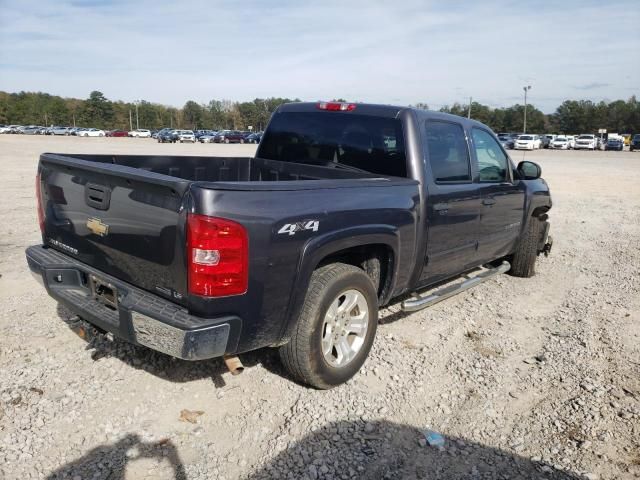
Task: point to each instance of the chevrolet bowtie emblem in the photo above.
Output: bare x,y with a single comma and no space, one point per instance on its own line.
96,226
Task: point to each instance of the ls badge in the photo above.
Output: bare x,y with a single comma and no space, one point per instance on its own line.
96,226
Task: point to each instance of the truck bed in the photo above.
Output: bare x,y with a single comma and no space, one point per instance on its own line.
212,169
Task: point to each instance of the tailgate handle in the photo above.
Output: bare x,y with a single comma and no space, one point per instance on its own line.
97,196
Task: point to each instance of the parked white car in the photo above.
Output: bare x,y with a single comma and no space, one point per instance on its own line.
586,141
185,136
140,132
91,132
560,143
527,142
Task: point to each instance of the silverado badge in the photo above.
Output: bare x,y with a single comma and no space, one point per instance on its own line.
96,226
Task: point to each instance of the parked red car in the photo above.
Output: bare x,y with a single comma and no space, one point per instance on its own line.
117,133
229,136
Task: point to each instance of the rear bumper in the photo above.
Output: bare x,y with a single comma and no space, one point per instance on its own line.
141,318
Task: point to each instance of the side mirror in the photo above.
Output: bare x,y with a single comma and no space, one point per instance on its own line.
529,170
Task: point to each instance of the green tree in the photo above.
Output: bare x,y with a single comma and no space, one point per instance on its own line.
97,110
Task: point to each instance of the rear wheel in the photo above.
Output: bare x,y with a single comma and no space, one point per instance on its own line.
524,259
336,327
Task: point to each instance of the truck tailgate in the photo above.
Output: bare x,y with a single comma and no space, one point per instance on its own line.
123,221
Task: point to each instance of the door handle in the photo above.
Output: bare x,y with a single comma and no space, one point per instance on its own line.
488,201
441,207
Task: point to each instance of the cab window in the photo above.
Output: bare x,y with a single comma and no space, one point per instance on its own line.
448,152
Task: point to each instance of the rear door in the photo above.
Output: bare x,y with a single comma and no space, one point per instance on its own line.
453,202
503,197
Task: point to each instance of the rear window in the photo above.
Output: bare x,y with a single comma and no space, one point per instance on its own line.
374,144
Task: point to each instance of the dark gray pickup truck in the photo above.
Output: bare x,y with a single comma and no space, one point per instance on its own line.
344,208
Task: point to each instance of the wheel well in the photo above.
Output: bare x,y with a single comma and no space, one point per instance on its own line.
538,211
376,260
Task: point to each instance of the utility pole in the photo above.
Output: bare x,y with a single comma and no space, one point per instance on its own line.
137,102
469,111
526,89
130,121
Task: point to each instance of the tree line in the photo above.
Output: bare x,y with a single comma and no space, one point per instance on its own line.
36,108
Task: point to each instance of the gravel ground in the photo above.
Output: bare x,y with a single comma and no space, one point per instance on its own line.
524,378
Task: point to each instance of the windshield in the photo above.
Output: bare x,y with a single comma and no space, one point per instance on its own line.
586,137
374,144
525,137
561,139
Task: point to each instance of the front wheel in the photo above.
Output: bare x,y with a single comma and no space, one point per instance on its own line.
524,259
336,327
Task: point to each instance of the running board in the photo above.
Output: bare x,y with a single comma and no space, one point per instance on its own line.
418,302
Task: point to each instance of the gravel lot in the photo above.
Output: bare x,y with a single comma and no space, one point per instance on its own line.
525,378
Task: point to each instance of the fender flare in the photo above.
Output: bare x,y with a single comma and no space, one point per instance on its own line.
318,248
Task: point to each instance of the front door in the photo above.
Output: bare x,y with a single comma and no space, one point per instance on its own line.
501,212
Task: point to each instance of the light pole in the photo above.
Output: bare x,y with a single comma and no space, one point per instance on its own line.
137,102
526,89
469,111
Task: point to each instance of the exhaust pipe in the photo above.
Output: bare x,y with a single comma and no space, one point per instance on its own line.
234,364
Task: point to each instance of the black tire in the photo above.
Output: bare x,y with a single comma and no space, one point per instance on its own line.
524,259
303,356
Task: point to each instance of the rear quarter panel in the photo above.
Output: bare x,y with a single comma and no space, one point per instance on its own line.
280,264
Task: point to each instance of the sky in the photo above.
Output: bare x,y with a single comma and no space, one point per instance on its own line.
393,52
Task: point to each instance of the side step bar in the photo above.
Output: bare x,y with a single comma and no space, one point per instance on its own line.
419,302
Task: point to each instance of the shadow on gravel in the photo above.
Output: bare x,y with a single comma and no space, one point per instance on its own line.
167,367
110,461
386,450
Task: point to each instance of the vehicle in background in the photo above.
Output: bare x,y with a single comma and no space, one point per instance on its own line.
59,131
160,132
11,129
117,133
506,140
544,141
91,132
549,138
635,142
627,138
167,136
572,140
253,137
185,136
208,138
202,133
586,141
229,136
76,131
140,133
31,130
560,143
615,143
528,142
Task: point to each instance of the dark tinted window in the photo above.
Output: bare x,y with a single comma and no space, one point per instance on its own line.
374,144
448,152
492,161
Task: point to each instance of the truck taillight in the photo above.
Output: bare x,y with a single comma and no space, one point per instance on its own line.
39,204
336,106
218,256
